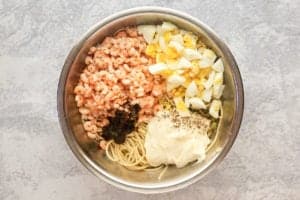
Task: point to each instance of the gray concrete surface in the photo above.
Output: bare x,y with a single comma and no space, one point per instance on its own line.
36,163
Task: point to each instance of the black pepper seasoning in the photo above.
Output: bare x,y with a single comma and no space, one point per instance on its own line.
121,124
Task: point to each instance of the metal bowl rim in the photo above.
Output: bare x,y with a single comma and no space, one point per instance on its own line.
91,165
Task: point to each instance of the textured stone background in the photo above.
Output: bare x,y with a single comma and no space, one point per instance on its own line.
36,163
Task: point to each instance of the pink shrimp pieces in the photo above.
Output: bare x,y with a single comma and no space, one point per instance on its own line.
116,75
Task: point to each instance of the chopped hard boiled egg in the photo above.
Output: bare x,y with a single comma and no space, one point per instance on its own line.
208,58
168,26
181,108
194,75
191,90
157,68
209,82
218,65
214,109
173,65
162,43
174,81
167,36
191,54
209,54
148,31
204,63
152,49
172,53
196,103
177,38
206,95
218,91
190,40
158,34
176,45
184,63
218,79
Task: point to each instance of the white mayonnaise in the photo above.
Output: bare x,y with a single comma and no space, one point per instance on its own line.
166,144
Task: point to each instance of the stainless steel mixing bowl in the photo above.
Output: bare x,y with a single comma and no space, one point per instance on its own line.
87,151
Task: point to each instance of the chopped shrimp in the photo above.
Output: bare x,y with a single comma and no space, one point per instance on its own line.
102,144
116,74
121,34
91,135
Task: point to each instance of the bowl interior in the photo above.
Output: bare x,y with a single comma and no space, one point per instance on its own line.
87,151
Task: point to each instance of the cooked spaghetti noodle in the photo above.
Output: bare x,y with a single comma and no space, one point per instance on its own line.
131,154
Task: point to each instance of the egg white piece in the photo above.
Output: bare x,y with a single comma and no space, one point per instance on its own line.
207,94
183,63
148,32
209,54
196,103
177,38
180,71
218,65
209,82
157,68
191,54
168,26
179,48
214,108
191,90
218,78
204,63
218,91
162,43
158,33
172,65
174,81
183,32
208,58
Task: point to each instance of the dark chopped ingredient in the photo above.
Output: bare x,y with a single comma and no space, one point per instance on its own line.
121,124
